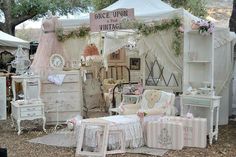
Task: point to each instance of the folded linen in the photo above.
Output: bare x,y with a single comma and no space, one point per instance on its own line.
56,78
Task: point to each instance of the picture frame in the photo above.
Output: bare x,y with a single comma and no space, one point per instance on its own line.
102,148
117,56
135,63
89,76
31,89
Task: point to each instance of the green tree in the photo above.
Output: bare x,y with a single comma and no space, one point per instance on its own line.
196,7
232,21
17,11
100,4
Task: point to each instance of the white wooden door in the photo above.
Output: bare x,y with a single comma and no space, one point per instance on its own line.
3,109
234,92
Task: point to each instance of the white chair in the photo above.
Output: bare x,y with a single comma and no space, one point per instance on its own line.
153,102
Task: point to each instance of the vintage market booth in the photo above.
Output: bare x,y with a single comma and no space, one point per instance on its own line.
204,75
161,65
158,47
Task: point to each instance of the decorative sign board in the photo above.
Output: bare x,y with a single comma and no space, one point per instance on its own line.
109,20
3,109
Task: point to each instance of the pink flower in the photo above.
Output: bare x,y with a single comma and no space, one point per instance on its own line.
205,27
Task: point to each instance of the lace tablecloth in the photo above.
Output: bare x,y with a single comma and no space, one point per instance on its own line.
130,124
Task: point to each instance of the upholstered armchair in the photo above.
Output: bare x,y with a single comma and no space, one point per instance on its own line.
153,102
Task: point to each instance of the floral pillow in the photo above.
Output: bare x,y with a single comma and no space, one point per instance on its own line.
152,97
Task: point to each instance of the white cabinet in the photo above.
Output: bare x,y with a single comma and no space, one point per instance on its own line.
65,101
199,74
198,61
28,111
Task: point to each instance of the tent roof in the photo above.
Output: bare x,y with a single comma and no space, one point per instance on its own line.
142,10
11,41
141,7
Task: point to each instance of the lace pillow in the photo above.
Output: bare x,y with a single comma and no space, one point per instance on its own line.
151,97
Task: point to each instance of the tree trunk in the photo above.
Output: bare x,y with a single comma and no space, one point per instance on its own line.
7,26
10,20
232,21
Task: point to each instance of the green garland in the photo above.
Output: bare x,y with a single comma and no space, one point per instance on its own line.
146,30
80,32
142,28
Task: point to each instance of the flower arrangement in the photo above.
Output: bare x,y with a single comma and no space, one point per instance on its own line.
204,27
141,114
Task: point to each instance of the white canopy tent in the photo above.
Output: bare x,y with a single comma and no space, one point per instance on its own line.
7,40
159,46
143,10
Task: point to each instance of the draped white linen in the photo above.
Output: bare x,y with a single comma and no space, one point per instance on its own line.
159,45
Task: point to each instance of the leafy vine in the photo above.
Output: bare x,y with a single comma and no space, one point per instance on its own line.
80,32
142,28
147,29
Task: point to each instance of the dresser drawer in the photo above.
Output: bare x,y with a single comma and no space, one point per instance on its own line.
72,78
65,87
32,108
197,101
61,106
68,78
63,96
62,116
31,114
63,102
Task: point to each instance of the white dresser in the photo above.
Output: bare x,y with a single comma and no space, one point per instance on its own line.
64,101
30,107
28,111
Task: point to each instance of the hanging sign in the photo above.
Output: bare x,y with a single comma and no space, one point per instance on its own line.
109,20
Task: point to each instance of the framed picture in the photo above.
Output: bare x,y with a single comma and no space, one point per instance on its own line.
89,76
135,63
117,57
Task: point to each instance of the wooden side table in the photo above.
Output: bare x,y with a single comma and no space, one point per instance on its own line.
211,103
30,111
